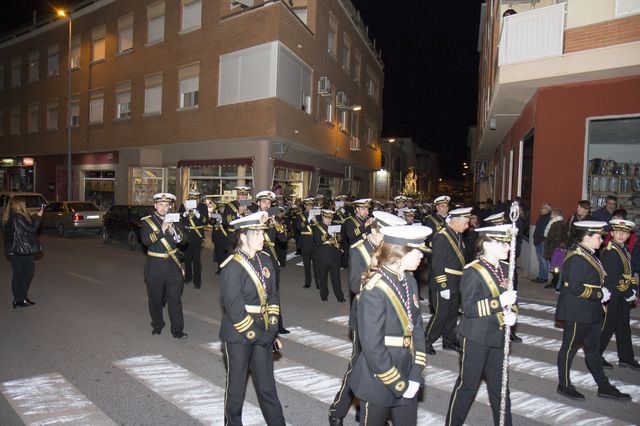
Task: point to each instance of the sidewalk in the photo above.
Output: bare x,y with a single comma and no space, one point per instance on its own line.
534,292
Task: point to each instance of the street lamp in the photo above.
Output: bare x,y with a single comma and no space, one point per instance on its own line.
63,14
355,108
392,140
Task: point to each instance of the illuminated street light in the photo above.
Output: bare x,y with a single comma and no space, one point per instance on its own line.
392,140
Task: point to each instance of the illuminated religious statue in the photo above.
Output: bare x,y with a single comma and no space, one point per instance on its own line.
410,186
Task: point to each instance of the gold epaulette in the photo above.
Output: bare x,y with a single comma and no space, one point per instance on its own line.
145,218
470,264
357,243
608,246
227,260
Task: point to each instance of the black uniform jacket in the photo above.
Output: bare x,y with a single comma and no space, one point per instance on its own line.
250,313
303,227
230,212
354,229
163,257
325,251
616,260
581,295
271,237
359,259
447,260
194,226
435,222
483,320
392,354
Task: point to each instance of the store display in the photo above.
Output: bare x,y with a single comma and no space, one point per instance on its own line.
608,177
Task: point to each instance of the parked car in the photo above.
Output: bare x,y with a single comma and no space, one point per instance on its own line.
34,200
123,222
66,216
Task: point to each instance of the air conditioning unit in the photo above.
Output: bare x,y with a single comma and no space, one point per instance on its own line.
341,100
243,3
354,144
324,86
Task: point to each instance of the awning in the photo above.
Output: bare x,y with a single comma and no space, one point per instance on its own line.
331,173
293,166
242,161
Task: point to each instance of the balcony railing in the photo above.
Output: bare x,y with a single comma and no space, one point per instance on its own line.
532,35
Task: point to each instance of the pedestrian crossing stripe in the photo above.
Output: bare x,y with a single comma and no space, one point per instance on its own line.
51,399
192,394
522,403
318,385
551,309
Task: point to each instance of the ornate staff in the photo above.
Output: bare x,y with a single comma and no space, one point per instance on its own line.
513,215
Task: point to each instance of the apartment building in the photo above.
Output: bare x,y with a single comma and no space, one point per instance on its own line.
174,95
559,105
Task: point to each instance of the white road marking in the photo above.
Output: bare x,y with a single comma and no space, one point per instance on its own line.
83,277
318,385
537,307
522,403
194,395
291,255
51,399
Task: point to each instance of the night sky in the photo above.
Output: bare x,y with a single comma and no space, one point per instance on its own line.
429,49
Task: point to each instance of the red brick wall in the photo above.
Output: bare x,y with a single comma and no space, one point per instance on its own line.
615,31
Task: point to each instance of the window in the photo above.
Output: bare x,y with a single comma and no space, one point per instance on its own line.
32,118
98,44
96,106
53,60
189,78
52,115
328,108
371,133
219,180
627,7
14,123
354,129
15,72
155,22
76,44
123,101
75,111
125,33
332,39
191,14
153,94
346,54
343,119
373,86
34,66
293,83
301,12
357,66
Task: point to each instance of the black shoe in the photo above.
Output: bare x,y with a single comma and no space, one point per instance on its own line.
335,421
306,286
341,300
358,414
283,331
613,393
570,392
21,303
29,301
430,349
606,364
324,299
452,348
180,335
514,337
557,290
632,364
156,331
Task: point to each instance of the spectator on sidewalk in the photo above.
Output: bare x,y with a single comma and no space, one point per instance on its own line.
605,213
538,242
582,213
553,239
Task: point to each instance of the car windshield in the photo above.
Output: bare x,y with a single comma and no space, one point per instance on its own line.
33,201
82,207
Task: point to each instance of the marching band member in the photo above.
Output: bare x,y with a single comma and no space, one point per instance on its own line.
303,225
326,256
436,220
193,221
356,226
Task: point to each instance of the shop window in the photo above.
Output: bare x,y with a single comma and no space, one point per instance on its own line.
153,94
98,44
219,180
96,107
52,115
123,101
191,15
14,122
332,36
16,77
290,182
189,78
76,45
32,118
99,188
34,66
125,33
75,111
146,182
155,22
328,186
53,60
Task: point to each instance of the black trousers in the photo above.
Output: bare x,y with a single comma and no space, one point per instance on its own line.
22,267
169,287
375,415
577,334
324,270
192,261
219,246
477,361
309,265
444,320
241,359
344,397
616,321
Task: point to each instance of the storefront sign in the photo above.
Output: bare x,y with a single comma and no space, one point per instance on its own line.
27,161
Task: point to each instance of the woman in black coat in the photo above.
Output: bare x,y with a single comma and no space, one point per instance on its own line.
21,245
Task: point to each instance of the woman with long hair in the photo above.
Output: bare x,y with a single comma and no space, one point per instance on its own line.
250,321
387,374
21,245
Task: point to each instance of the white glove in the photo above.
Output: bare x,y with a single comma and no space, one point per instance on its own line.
510,318
185,213
606,295
196,213
632,297
412,390
508,297
445,294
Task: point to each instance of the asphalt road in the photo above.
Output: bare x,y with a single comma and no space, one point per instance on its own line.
84,354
